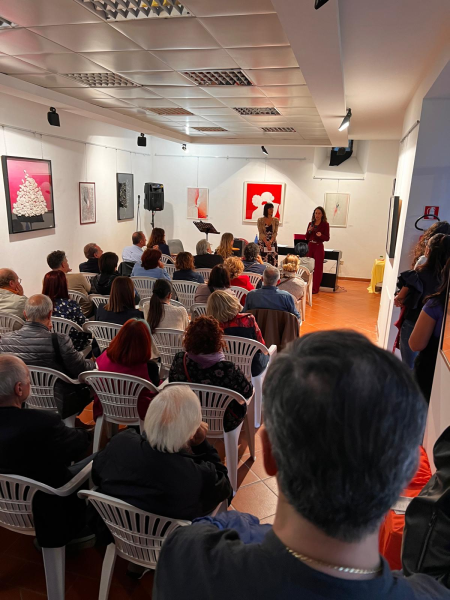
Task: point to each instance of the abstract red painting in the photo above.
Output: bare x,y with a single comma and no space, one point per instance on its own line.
256,195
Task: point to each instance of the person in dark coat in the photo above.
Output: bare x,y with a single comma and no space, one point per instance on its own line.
92,252
102,283
205,259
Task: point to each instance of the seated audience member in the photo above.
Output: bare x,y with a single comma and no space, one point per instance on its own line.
36,444
252,260
12,300
161,313
121,304
219,279
130,353
301,250
227,310
157,241
269,296
235,268
55,287
92,252
225,248
101,283
343,423
150,266
204,259
77,282
290,282
36,345
134,253
170,470
185,268
204,362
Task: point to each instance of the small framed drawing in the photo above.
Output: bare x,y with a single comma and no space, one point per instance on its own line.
256,195
395,209
336,207
197,203
87,202
29,193
125,196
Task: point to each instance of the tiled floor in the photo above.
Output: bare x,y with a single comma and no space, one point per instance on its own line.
21,567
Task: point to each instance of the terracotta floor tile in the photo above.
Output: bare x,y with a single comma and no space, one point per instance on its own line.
268,520
29,595
256,499
10,594
272,484
258,466
246,476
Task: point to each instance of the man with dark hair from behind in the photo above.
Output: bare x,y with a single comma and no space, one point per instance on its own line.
76,282
344,420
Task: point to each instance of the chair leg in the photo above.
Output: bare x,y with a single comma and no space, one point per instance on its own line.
107,571
231,441
304,305
70,421
257,386
55,571
249,423
97,433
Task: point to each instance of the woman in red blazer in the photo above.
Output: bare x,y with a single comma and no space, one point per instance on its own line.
318,232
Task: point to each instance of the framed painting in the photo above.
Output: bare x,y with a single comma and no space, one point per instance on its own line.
197,203
395,208
125,196
336,207
256,195
87,202
29,193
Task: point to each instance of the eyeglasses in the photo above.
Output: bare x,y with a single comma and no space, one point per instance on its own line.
19,280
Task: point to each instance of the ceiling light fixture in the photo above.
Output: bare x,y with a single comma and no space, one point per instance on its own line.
184,147
264,150
53,117
319,3
346,120
142,140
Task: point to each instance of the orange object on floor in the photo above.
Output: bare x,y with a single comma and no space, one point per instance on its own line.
391,531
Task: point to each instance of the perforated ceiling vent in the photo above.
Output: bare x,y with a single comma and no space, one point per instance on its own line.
101,80
269,110
209,129
236,77
278,129
118,10
170,111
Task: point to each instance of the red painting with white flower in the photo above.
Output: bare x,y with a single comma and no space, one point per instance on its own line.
256,195
29,193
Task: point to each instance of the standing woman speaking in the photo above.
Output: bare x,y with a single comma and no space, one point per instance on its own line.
318,232
267,239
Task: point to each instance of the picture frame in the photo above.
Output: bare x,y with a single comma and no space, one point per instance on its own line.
257,194
337,207
29,194
395,208
197,203
88,208
125,196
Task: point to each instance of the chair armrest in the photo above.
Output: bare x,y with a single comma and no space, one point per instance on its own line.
75,482
67,379
272,350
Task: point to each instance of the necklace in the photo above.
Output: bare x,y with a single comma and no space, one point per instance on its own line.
307,559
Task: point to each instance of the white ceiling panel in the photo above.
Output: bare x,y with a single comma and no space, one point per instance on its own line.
302,102
152,102
110,102
50,81
218,8
30,13
228,119
84,93
305,118
179,92
63,63
297,111
12,66
198,102
22,41
266,57
190,119
138,92
131,112
91,37
243,102
152,78
234,91
137,60
277,91
196,59
215,111
246,31
276,76
167,34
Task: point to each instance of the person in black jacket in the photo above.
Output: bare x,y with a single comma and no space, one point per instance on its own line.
101,283
92,252
204,259
170,470
121,305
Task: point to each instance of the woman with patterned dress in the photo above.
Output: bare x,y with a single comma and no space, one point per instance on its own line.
267,239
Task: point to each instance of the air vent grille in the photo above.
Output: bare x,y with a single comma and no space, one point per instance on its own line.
118,10
209,129
235,77
269,110
170,111
102,80
278,129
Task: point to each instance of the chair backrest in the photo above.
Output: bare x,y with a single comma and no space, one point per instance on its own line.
304,273
125,268
42,391
144,286
138,535
143,304
168,342
278,327
99,299
205,273
170,268
255,278
10,322
89,277
197,310
175,246
239,291
186,291
167,259
102,332
61,325
16,499
241,351
118,394
78,296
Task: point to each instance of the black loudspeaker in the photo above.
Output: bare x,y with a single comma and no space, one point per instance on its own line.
239,244
154,196
340,155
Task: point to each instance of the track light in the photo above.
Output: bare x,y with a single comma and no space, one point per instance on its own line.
346,120
142,140
319,3
184,147
53,117
264,150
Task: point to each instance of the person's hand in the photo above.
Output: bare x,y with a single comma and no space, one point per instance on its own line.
319,234
160,264
200,435
398,302
259,259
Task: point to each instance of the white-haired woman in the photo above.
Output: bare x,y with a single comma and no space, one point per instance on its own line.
205,259
170,469
290,282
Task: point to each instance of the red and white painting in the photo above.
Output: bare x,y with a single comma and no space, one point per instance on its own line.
197,203
256,195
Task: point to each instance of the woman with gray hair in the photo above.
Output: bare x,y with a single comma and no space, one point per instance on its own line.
204,258
170,470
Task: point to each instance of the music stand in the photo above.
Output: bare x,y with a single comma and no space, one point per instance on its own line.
206,228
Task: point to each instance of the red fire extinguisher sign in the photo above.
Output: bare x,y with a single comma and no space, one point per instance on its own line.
431,211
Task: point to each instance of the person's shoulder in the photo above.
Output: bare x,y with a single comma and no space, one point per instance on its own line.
422,586
276,220
40,419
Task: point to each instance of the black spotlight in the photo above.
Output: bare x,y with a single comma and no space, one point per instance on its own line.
184,148
264,150
319,3
53,117
142,140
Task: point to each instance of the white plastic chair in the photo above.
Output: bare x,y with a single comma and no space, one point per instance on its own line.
16,514
241,351
10,322
239,291
307,277
118,395
170,268
168,342
42,391
205,273
255,278
166,259
144,286
99,299
214,401
143,304
186,291
89,277
197,310
61,325
103,332
138,535
78,296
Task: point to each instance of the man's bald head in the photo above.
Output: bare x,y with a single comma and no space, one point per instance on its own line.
14,381
6,277
38,309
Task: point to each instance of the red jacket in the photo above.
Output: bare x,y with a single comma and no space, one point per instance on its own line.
323,228
242,281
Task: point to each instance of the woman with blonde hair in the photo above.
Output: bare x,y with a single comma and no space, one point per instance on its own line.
290,282
235,268
225,248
